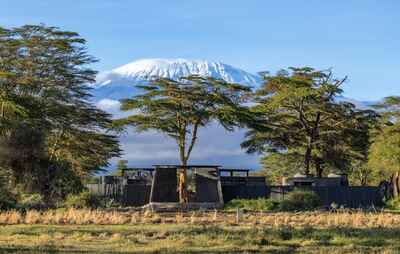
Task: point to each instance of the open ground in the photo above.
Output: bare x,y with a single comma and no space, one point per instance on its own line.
99,231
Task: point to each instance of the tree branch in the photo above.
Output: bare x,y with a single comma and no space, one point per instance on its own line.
194,138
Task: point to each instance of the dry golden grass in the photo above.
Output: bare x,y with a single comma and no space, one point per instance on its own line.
353,219
101,231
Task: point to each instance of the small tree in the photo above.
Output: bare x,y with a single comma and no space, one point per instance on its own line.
384,153
121,166
180,108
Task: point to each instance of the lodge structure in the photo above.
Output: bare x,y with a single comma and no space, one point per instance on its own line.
210,186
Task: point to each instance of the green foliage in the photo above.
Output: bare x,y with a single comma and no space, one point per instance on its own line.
285,233
393,204
121,166
84,199
31,201
300,200
92,180
260,204
384,153
180,108
7,199
277,165
360,174
297,200
50,133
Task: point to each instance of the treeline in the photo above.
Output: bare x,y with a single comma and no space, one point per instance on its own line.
52,138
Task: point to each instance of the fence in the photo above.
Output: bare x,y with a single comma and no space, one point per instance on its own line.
348,196
128,194
251,187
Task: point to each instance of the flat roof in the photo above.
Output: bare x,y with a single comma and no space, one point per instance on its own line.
187,166
138,168
234,169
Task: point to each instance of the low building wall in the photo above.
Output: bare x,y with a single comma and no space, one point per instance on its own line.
234,188
348,196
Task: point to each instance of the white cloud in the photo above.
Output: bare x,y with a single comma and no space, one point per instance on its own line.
108,105
215,146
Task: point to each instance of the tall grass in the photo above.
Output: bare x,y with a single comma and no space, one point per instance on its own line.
353,219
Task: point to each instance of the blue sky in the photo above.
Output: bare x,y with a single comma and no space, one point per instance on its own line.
360,39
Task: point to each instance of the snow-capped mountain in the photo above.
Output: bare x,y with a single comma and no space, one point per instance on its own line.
119,83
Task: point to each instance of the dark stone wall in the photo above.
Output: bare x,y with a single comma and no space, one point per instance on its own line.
136,194
164,189
244,192
252,187
206,189
165,184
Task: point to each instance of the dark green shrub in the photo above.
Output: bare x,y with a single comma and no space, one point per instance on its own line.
260,204
300,200
31,201
306,232
7,200
84,199
285,233
393,204
323,237
263,242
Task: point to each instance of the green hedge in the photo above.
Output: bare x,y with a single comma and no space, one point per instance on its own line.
260,204
297,200
84,199
300,200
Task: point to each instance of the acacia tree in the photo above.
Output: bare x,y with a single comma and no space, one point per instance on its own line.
180,108
384,153
55,134
296,113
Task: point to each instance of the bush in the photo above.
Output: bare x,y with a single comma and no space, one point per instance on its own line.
84,199
260,204
7,200
31,201
300,200
285,233
393,204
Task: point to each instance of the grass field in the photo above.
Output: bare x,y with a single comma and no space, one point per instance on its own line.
312,232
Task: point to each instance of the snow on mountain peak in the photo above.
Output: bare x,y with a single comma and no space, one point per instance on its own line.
120,82
145,69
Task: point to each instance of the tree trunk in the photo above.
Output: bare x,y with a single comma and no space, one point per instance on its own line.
395,184
307,160
183,193
318,167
